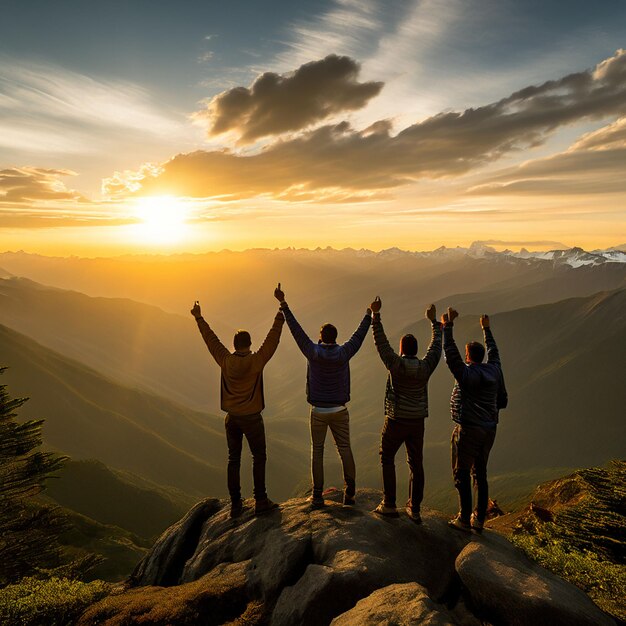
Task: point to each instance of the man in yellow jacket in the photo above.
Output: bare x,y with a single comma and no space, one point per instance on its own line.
243,400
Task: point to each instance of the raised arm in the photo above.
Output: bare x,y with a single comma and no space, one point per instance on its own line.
307,347
385,351
353,344
217,349
267,349
433,354
493,356
453,356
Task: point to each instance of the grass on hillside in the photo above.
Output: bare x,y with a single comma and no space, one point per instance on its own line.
586,543
53,602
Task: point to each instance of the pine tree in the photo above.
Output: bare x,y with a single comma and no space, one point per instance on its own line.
28,533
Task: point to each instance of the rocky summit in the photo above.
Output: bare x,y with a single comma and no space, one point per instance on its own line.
337,565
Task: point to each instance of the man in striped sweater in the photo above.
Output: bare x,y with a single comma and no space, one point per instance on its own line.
406,408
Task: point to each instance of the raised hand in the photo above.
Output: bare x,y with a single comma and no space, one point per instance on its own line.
279,294
431,313
452,314
195,310
376,304
444,318
484,321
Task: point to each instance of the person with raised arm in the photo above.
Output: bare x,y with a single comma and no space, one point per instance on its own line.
243,400
406,408
477,396
328,392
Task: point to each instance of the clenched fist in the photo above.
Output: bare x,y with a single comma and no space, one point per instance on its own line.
195,310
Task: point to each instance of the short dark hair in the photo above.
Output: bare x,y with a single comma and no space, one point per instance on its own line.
328,333
242,340
475,351
408,345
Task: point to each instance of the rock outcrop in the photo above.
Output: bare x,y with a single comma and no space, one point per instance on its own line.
344,565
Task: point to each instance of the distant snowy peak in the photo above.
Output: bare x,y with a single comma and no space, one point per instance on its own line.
575,257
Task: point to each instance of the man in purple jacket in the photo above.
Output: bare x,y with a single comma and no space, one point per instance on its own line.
328,391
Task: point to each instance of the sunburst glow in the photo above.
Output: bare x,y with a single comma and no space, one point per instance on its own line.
163,219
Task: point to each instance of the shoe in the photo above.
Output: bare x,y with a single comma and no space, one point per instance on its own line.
264,506
236,508
458,524
476,525
317,502
348,500
414,515
386,511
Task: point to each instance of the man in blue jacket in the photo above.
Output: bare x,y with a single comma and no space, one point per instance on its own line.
328,391
478,395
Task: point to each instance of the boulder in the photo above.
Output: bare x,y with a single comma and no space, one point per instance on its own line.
396,605
507,588
174,547
281,544
297,565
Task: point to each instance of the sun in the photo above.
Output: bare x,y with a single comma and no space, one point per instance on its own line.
163,219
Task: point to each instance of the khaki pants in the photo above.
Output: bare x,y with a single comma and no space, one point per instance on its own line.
339,424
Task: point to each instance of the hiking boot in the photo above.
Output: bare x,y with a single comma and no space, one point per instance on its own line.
236,508
386,511
414,515
317,502
348,500
459,524
476,524
264,506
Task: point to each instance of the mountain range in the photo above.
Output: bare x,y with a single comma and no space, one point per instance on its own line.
121,374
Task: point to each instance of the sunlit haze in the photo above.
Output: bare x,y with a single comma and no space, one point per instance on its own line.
143,127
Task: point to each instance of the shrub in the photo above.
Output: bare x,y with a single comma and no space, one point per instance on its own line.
53,602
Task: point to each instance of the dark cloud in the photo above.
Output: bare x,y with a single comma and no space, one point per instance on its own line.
21,185
276,103
338,157
593,165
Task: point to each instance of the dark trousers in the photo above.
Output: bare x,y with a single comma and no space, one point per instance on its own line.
395,434
470,452
252,427
339,424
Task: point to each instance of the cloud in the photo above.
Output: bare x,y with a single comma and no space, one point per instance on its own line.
276,103
37,197
337,157
21,185
47,108
592,165
348,27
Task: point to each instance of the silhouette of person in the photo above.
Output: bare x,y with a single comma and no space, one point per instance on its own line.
328,391
243,400
406,407
478,395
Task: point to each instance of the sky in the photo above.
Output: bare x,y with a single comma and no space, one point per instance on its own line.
149,126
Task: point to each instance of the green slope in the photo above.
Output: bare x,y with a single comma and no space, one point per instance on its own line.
120,549
89,416
117,498
575,526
